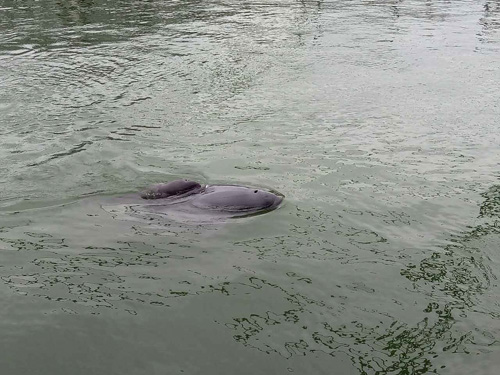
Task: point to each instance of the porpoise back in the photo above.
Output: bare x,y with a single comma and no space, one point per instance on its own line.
174,188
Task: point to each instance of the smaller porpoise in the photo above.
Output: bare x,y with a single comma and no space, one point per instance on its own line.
225,200
174,188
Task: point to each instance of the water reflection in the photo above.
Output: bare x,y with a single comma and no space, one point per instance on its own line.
384,348
490,22
75,12
55,25
461,270
293,314
454,282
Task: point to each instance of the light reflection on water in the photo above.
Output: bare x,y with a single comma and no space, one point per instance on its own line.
377,120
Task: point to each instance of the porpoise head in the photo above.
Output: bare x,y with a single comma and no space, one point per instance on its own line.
174,188
237,199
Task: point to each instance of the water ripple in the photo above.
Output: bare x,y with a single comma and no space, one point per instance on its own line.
377,119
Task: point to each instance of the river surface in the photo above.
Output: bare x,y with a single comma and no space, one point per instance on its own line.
377,120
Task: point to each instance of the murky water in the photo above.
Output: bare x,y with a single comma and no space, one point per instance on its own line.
378,120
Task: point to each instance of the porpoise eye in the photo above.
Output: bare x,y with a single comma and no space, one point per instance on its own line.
255,191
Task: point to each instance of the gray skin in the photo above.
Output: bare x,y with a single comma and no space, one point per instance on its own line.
174,188
183,196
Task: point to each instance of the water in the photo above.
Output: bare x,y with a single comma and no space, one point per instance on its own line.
378,120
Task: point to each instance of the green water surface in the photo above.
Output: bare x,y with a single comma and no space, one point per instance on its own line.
379,122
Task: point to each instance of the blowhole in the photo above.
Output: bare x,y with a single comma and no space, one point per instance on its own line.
255,191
